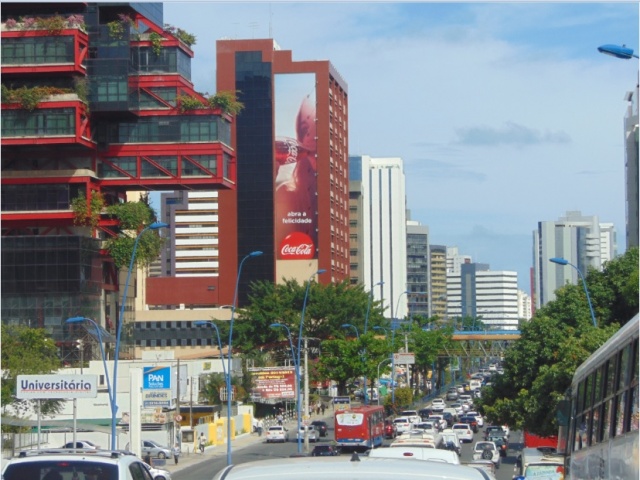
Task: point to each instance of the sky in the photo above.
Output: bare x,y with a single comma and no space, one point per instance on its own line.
504,113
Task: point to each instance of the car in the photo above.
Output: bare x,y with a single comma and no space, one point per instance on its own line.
471,421
452,394
321,426
458,408
438,421
463,431
438,404
412,415
403,424
427,427
425,412
450,441
449,417
67,464
277,433
390,429
466,398
325,451
501,443
312,434
158,473
153,449
485,450
479,418
495,430
81,444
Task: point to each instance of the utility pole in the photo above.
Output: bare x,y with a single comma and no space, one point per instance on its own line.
306,395
191,403
406,349
176,418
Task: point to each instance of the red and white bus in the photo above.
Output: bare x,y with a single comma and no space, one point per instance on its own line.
360,428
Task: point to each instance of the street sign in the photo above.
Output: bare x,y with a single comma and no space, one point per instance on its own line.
404,358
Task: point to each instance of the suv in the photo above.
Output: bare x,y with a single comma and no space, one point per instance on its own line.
68,463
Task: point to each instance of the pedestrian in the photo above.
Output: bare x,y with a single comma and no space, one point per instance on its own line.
260,427
202,441
176,452
280,419
322,407
147,458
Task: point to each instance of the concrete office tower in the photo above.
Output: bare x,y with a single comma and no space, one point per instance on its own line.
525,310
418,268
378,186
455,259
582,240
631,168
438,281
491,296
292,198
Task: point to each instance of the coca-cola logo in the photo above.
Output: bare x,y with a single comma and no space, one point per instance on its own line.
297,245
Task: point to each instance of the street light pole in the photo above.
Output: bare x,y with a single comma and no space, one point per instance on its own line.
366,322
297,368
379,364
564,262
393,336
304,307
228,375
116,355
215,327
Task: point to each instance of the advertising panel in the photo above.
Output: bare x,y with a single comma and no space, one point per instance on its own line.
156,398
273,383
156,378
57,386
296,187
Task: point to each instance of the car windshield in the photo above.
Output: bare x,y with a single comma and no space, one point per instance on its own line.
66,468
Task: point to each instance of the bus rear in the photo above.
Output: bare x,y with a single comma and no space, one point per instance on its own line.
359,428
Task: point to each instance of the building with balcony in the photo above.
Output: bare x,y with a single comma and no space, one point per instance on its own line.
418,269
97,103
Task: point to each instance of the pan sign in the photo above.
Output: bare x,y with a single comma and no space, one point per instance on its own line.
57,386
156,378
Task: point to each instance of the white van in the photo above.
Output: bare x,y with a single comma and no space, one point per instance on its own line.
417,453
475,385
539,463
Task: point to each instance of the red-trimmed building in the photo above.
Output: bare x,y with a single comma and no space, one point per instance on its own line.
93,100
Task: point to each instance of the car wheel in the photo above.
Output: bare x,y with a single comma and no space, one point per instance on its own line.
159,477
162,455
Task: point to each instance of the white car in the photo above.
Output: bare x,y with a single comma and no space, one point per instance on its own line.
412,415
427,427
485,450
158,473
312,433
463,431
438,403
479,418
403,424
458,408
277,433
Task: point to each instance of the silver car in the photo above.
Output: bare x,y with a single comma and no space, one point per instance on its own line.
158,473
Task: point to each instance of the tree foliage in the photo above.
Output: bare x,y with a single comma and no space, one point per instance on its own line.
26,351
539,367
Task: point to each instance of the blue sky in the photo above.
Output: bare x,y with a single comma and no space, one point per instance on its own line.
504,113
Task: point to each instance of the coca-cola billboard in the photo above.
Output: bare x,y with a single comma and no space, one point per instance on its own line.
297,246
295,178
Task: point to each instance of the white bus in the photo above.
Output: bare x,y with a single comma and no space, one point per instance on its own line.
602,436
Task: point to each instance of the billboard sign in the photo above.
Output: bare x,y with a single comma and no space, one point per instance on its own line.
295,180
273,383
156,378
56,386
404,358
156,398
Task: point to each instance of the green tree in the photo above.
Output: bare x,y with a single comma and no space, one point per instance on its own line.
540,365
403,398
26,351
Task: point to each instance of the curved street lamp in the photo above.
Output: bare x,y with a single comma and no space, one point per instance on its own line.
618,51
298,380
393,335
116,354
215,327
355,329
228,384
366,322
563,262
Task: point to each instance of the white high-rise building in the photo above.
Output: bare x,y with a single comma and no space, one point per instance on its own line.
455,259
525,311
581,240
377,189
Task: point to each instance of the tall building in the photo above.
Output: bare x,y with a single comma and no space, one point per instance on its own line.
292,196
582,240
418,268
525,309
382,231
438,290
631,168
94,105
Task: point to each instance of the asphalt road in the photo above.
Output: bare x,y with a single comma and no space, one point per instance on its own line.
206,469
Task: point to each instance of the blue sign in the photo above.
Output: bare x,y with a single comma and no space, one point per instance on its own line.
156,378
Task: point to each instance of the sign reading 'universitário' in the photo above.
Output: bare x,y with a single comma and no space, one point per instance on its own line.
57,386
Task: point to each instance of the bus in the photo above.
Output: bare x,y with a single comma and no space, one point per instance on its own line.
601,440
360,428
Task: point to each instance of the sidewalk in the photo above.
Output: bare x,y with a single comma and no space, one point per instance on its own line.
215,451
